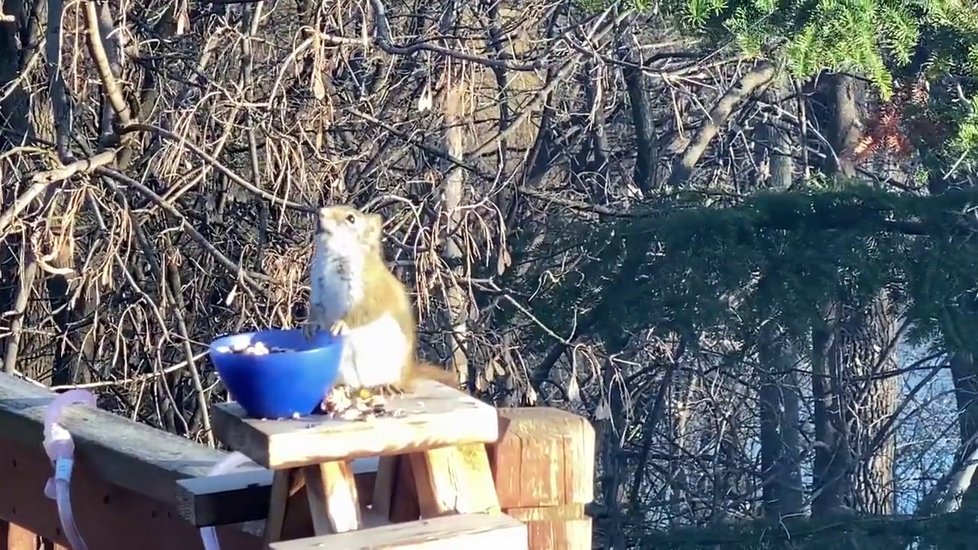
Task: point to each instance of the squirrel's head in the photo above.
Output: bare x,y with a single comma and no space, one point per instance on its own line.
345,228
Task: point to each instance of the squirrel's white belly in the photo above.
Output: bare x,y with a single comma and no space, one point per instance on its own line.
373,354
335,284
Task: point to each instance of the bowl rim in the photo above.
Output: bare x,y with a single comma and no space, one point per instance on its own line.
335,340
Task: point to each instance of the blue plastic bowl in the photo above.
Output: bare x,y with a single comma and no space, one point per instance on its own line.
278,385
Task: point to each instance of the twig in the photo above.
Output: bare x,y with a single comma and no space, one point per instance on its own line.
42,180
532,193
757,77
132,379
383,40
175,288
218,166
248,62
59,95
27,276
81,166
97,50
235,269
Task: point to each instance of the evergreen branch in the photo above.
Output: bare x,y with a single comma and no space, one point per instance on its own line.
859,209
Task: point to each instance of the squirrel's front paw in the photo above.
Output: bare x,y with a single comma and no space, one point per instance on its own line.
310,329
339,328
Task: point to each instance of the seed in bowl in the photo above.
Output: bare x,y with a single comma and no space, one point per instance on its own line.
258,348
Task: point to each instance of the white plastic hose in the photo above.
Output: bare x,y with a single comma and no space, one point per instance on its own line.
60,449
209,534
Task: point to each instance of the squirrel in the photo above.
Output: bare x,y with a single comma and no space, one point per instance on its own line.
353,294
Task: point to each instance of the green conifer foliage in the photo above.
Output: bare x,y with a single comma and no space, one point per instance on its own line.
845,239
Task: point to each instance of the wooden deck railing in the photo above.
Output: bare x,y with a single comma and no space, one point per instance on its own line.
134,486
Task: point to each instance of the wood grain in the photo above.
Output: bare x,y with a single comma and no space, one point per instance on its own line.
138,457
434,416
543,465
333,500
497,531
454,480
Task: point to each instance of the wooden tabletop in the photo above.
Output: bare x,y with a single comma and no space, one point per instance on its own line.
434,416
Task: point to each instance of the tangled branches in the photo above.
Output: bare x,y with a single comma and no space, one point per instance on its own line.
158,169
157,180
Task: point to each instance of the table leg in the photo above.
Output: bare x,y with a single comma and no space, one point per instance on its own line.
384,484
395,498
333,500
288,513
454,480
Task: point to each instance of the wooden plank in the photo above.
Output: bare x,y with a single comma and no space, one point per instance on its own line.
454,480
289,514
434,416
444,533
332,495
395,497
109,517
244,496
228,498
384,485
132,455
15,537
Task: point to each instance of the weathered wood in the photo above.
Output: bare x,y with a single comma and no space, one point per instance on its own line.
404,496
15,537
454,480
543,465
289,514
332,495
385,485
228,498
138,457
244,496
288,508
435,416
443,533
109,517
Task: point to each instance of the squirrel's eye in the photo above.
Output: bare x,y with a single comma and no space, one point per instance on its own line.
351,219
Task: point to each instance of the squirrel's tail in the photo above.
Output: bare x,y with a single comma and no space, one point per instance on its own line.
429,371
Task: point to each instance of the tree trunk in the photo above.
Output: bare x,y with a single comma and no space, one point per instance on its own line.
853,462
866,348
782,488
832,453
778,395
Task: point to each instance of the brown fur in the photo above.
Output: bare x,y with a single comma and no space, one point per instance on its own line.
383,292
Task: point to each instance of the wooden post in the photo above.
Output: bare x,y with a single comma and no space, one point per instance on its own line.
543,466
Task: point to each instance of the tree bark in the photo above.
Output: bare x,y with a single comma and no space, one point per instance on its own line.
780,404
857,342
865,350
778,395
